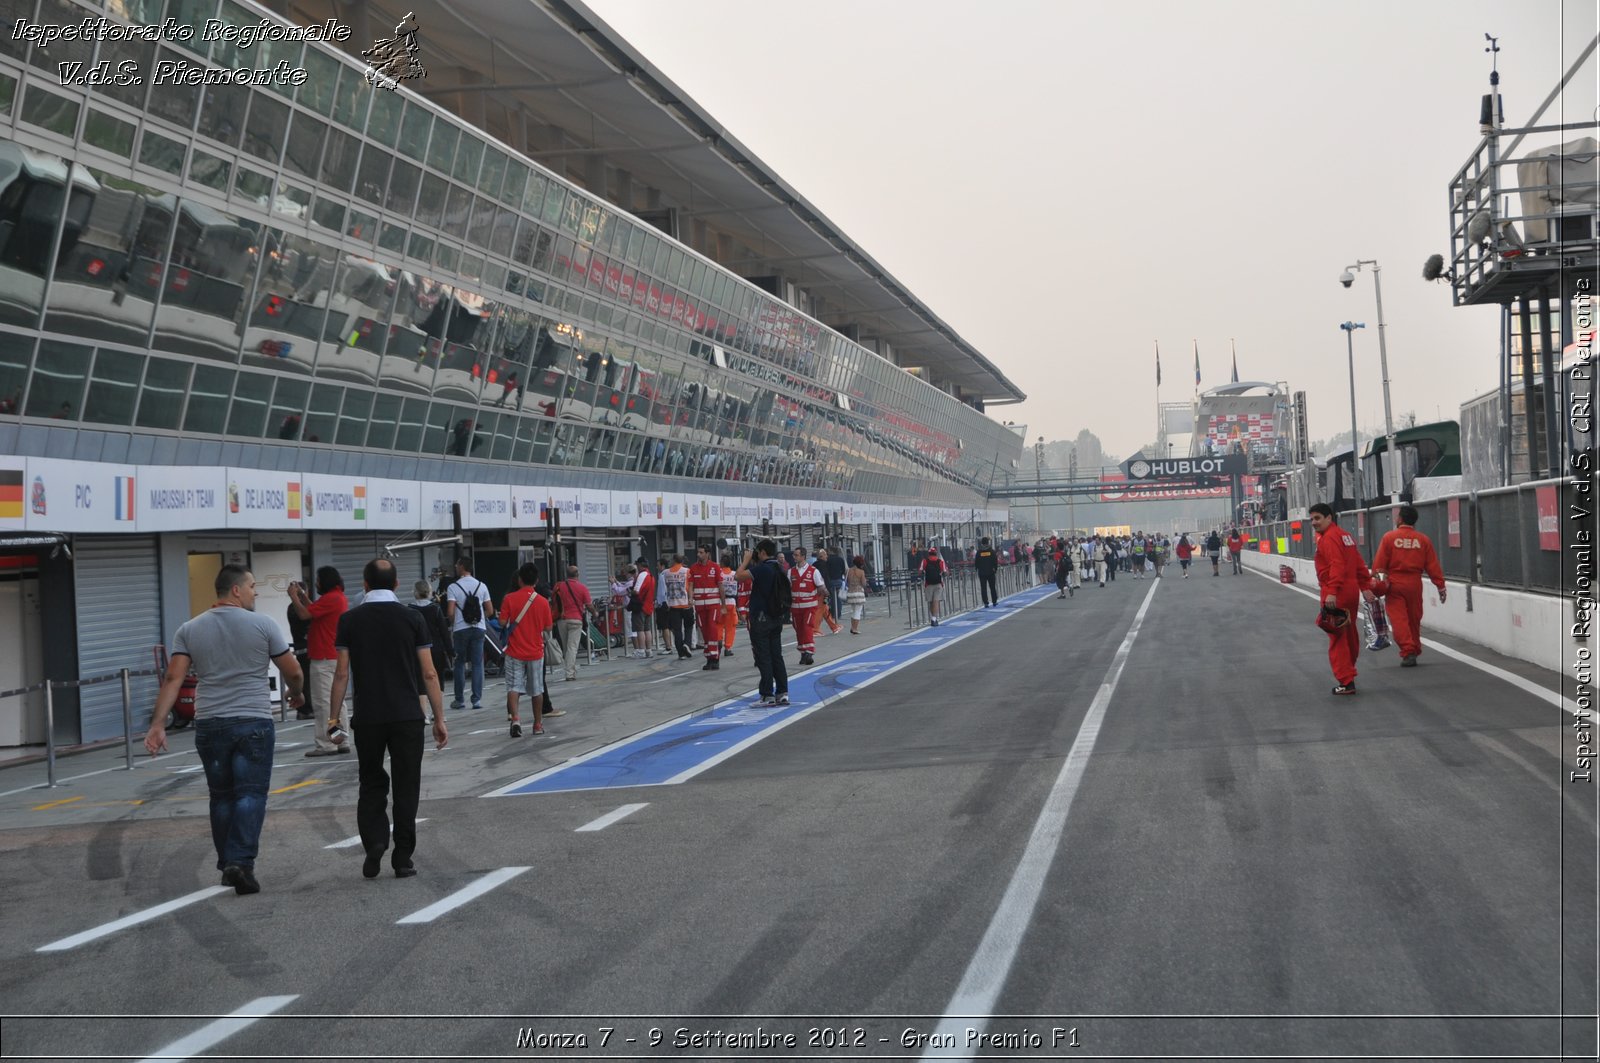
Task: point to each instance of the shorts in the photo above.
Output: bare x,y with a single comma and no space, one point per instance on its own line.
934,593
524,677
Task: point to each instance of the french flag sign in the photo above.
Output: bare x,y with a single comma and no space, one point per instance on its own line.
124,497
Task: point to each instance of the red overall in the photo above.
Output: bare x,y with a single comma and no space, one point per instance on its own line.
705,591
1405,554
1342,574
806,583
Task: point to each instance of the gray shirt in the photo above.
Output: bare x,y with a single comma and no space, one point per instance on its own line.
229,649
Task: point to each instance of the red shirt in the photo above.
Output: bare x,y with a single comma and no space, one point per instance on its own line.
1406,555
325,613
527,641
1340,570
572,599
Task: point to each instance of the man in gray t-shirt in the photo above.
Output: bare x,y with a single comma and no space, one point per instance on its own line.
228,647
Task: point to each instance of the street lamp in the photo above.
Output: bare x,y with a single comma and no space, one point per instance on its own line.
1349,328
1072,492
1038,484
1392,462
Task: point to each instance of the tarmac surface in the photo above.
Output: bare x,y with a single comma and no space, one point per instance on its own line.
1130,824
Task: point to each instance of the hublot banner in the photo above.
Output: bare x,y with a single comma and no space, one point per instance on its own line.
1142,468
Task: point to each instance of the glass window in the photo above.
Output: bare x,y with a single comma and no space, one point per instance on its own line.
114,388
109,133
385,418
176,103
413,417
49,57
208,399
161,401
247,414
46,110
13,47
15,360
505,226
421,247
8,89
472,267
265,130
403,188
250,185
322,415
493,173
305,145
339,160
222,113
349,100
447,257
516,181
362,226
354,417
293,201
442,147
458,208
430,200
482,222
210,171
413,142
141,54
383,123
572,216
533,195
555,201
393,238
192,13
372,179
469,154
329,214
161,153
322,74
288,407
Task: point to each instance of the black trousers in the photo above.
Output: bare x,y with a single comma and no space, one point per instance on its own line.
402,741
991,594
766,642
679,623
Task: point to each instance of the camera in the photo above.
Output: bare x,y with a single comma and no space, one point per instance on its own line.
1347,278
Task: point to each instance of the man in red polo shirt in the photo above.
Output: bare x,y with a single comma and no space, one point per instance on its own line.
526,612
324,614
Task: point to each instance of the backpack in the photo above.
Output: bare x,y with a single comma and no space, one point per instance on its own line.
782,596
471,607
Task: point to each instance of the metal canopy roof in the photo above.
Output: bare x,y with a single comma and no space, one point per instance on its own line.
567,69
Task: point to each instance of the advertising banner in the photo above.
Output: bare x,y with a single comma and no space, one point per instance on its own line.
80,496
13,494
262,499
528,505
596,508
393,505
570,502
1549,517
488,506
333,502
438,501
624,509
1453,522
177,498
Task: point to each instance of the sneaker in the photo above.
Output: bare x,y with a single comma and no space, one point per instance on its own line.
553,712
781,699
708,666
1345,688
1408,662
242,879
538,731
477,707
934,621
767,703
516,731
806,658
456,706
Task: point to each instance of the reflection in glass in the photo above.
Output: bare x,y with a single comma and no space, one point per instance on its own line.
385,419
16,358
207,280
304,153
353,417
56,390
288,408
413,419
161,400
208,400
247,414
322,414
161,153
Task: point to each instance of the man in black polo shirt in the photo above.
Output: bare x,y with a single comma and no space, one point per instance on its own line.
386,647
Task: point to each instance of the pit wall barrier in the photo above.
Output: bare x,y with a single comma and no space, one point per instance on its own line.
1536,628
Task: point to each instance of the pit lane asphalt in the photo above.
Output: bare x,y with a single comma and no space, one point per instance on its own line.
1242,844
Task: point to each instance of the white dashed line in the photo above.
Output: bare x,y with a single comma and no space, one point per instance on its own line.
107,929
219,1031
611,817
462,896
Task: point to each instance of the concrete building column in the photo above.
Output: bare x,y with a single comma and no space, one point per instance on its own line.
471,105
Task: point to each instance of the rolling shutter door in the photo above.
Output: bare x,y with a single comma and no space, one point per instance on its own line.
350,555
594,567
118,581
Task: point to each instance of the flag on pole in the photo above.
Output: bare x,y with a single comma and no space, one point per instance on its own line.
1158,365
1235,363
1197,363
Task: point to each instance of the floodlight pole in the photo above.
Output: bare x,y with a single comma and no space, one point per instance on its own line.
1349,328
1391,458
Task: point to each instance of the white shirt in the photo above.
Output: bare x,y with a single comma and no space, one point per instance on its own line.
458,595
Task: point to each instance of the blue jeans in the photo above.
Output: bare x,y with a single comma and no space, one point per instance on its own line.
237,754
469,654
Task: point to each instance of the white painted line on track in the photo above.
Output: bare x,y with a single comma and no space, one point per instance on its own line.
1526,685
680,675
462,896
107,929
975,998
611,817
219,1031
351,843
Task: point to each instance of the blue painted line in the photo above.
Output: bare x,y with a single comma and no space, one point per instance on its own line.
683,748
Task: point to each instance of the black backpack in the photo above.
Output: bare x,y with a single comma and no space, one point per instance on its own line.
471,607
782,594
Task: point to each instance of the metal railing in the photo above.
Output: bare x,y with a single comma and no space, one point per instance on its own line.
1491,538
50,686
962,593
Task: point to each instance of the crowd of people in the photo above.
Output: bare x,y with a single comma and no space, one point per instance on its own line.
1071,561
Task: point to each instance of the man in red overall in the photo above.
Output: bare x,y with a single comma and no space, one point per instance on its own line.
806,583
705,591
1342,580
1404,555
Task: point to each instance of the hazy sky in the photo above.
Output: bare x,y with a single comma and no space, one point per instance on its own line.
1067,183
